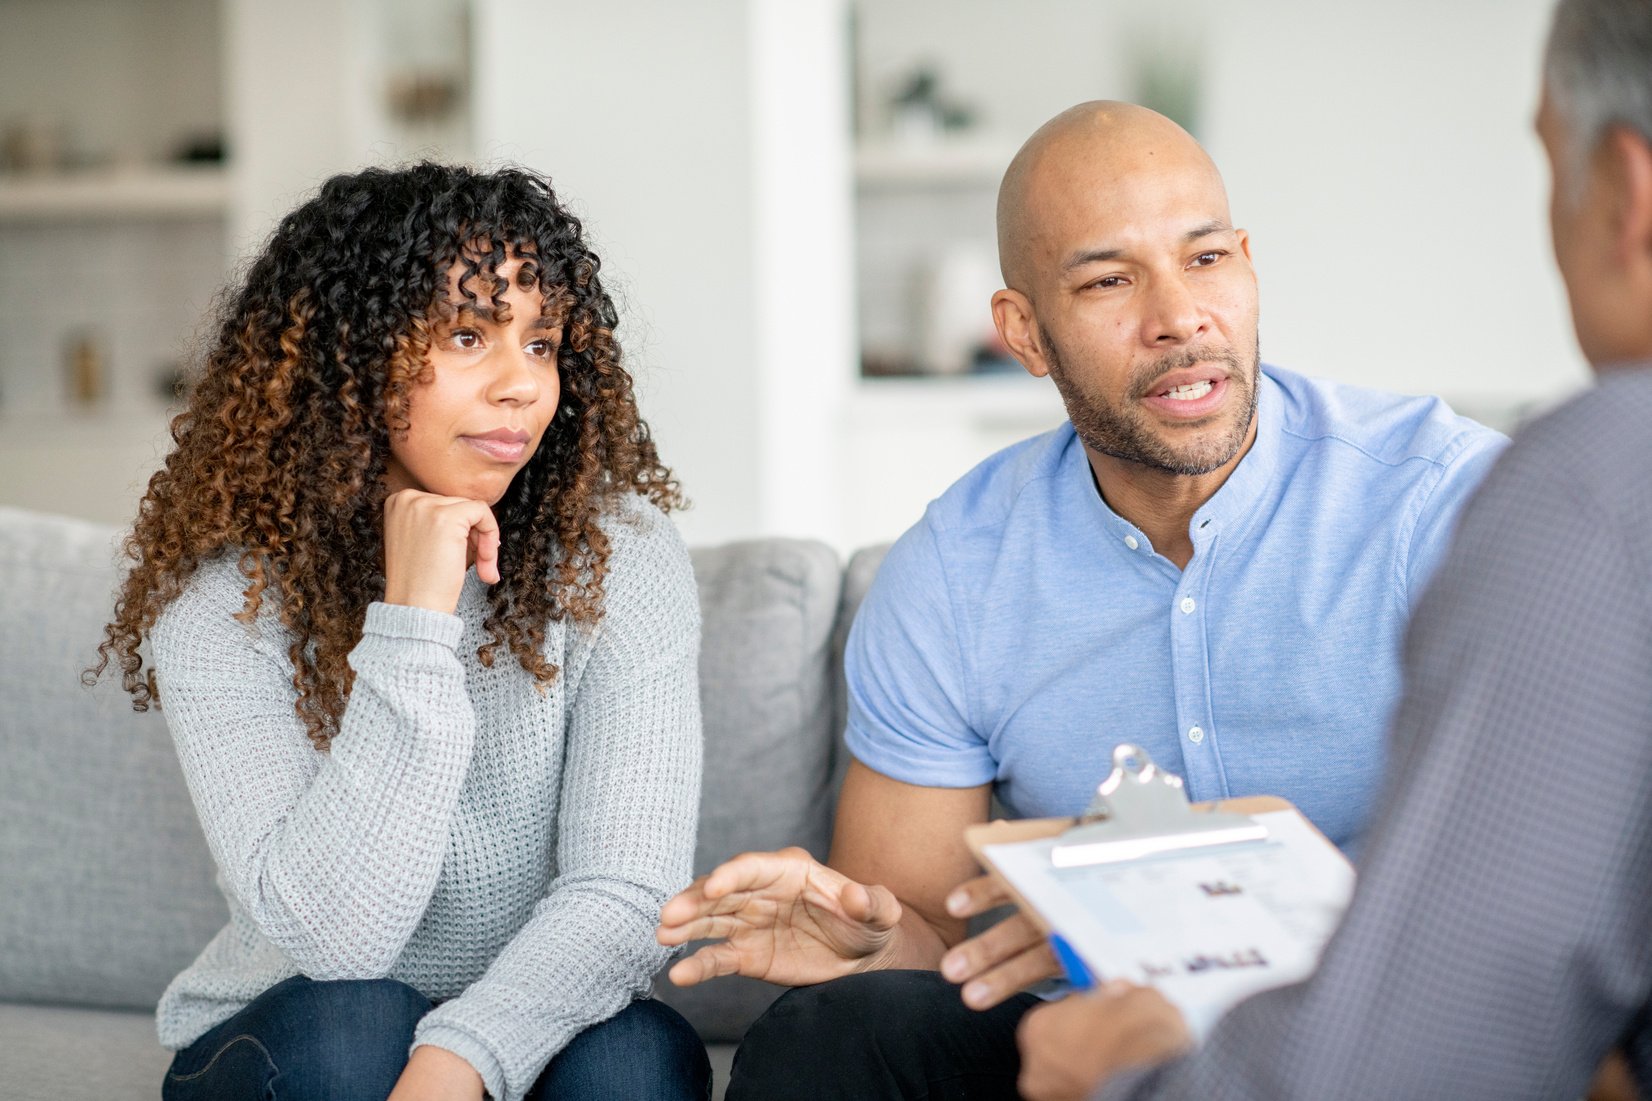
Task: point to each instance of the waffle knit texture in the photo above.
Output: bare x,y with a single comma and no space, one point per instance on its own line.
503,851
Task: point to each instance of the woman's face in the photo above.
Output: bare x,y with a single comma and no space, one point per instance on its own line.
491,389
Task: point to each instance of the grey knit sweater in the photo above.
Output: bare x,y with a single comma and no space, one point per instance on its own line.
504,852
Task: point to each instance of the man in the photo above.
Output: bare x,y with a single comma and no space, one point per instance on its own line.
1500,939
1210,560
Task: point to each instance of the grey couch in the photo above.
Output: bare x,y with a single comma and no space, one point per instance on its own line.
106,887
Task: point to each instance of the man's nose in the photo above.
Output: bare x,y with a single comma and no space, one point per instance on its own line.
1174,314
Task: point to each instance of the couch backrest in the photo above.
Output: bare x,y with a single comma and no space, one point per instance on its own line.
106,887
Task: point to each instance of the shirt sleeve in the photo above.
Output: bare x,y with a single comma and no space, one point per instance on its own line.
1436,520
909,712
1500,937
334,855
625,831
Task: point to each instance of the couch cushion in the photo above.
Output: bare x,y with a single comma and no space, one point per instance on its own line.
108,884
49,1053
768,608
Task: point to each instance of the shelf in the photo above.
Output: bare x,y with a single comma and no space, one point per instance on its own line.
945,163
170,192
991,399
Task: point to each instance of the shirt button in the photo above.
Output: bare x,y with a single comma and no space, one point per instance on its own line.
1188,605
1130,541
1196,735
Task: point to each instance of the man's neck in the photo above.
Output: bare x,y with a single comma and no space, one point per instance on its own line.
1158,502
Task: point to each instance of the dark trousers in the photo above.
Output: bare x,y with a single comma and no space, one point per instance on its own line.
884,1034
303,1040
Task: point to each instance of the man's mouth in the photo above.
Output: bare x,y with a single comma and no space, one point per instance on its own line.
1191,391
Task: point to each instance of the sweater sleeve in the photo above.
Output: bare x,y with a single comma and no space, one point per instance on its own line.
630,792
332,855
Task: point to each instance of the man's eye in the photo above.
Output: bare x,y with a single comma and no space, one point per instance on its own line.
1109,281
1205,259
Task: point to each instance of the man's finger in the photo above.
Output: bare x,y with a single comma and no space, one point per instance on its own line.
753,872
1006,940
1010,978
875,906
708,963
976,896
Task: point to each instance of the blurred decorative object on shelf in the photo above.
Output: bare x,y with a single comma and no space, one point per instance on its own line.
955,307
200,149
84,368
1167,71
423,95
172,383
33,146
920,112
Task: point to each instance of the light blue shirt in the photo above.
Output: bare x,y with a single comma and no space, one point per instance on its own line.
1022,628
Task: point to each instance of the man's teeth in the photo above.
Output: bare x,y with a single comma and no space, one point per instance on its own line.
1190,392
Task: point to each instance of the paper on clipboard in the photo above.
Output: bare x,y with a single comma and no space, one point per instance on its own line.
1208,903
1207,927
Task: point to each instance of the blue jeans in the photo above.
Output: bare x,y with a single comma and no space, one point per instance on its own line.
302,1040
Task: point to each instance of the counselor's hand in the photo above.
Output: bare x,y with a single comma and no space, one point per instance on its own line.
1070,1047
783,917
429,542
1004,960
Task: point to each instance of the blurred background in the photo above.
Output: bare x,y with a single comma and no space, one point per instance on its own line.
793,201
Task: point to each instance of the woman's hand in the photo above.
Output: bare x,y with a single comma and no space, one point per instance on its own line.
429,542
436,1074
1070,1047
782,917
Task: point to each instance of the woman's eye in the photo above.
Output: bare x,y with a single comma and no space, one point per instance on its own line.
544,349
465,338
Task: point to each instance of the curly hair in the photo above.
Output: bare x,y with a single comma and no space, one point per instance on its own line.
280,456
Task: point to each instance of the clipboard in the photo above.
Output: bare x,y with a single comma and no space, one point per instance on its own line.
1210,902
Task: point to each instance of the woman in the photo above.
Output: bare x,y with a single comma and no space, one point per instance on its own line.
446,803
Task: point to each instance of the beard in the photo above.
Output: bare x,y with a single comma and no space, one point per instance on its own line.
1124,430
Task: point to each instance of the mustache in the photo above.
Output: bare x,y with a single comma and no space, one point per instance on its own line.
1148,375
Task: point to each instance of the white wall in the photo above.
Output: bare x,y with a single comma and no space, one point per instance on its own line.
1380,153
696,140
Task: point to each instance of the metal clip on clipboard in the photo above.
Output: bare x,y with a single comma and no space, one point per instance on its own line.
1140,811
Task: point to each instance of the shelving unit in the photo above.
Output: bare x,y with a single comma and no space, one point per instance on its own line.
963,162
125,193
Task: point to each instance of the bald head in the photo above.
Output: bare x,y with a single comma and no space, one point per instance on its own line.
1078,158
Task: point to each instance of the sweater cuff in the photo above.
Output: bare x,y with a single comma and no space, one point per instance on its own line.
418,624
468,1048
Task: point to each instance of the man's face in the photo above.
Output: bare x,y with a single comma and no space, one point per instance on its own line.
1146,307
1581,227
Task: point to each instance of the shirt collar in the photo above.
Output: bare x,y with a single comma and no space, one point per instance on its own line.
1231,504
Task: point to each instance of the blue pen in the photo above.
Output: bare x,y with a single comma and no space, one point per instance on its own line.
1077,973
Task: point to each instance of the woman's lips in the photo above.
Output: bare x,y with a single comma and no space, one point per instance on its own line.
504,447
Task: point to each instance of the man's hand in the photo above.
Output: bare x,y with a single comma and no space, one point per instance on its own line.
782,917
436,1074
1004,960
1070,1047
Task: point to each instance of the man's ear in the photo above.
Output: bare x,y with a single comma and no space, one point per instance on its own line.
1631,172
1012,313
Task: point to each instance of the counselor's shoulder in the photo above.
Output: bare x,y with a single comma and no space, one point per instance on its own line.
1385,429
1593,450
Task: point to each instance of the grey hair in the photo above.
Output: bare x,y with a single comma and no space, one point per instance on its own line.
1598,70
